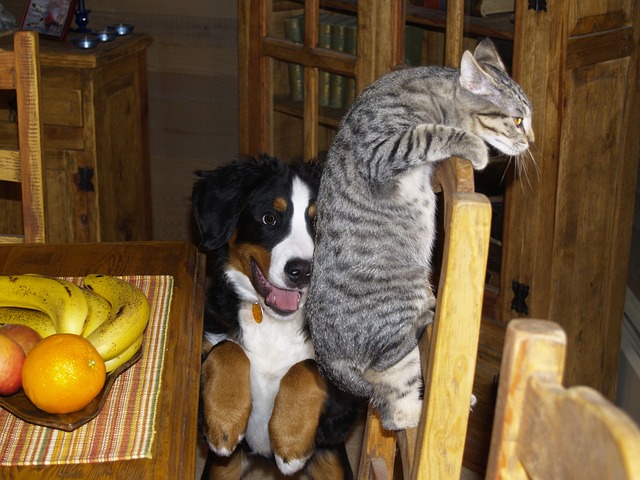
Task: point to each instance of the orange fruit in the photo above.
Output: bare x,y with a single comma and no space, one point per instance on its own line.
63,373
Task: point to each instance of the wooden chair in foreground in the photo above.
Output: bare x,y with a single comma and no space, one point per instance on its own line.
20,71
449,349
542,430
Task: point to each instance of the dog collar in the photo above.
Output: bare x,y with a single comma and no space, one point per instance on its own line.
256,309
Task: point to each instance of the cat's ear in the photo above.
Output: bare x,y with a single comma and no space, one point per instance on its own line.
486,53
474,78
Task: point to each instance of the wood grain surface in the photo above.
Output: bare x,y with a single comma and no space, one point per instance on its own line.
176,435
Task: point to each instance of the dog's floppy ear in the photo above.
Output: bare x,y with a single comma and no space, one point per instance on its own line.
215,207
217,199
310,171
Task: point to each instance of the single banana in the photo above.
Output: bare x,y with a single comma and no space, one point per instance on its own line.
124,356
63,301
35,319
99,311
129,315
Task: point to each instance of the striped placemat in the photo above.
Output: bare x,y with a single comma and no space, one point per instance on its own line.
125,428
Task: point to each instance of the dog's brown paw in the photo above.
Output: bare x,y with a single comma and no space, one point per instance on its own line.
296,414
226,397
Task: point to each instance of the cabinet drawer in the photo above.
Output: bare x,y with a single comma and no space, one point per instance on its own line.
63,137
62,96
62,106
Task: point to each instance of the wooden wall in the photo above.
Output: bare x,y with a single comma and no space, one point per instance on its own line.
192,74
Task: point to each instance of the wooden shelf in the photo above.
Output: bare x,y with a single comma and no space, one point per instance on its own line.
327,116
494,26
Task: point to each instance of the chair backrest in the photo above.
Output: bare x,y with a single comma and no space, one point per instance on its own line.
20,71
542,430
449,349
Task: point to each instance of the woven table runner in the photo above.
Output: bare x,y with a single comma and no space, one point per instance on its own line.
125,428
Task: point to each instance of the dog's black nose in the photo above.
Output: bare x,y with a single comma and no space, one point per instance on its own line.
298,272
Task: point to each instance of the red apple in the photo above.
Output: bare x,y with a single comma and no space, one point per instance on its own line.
11,360
24,336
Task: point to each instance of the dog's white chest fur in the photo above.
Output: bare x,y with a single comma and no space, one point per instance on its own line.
272,346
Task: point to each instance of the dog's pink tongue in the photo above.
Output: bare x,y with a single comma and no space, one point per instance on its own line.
284,300
278,298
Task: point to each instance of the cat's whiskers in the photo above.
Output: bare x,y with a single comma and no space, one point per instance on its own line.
523,161
522,167
534,162
533,159
506,169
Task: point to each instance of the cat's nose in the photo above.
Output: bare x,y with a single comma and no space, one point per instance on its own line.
298,271
529,131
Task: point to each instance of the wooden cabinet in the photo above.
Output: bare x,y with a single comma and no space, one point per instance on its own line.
562,249
96,141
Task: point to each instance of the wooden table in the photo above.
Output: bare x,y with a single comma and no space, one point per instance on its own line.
174,449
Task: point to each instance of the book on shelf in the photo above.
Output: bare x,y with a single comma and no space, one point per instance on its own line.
338,32
337,83
483,8
324,41
294,31
350,46
413,45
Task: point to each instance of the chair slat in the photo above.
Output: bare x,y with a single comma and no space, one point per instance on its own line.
20,70
10,169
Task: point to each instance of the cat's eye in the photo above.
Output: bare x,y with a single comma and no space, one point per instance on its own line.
269,219
517,121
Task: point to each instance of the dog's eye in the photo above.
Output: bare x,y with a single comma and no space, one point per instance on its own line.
269,219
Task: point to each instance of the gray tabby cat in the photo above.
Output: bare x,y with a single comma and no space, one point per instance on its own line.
370,299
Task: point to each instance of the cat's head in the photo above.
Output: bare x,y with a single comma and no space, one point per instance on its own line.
501,110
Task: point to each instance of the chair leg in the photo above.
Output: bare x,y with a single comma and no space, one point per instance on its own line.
378,449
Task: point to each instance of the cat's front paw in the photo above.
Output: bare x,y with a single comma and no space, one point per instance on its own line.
226,397
475,150
480,156
479,162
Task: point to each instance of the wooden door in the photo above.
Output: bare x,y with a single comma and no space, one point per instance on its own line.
569,222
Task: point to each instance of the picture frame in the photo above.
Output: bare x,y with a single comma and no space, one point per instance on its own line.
50,18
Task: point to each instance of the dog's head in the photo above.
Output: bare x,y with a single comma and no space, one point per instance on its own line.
259,214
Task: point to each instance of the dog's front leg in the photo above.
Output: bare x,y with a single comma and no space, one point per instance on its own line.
226,397
296,414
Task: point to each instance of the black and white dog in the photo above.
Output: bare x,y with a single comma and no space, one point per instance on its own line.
261,391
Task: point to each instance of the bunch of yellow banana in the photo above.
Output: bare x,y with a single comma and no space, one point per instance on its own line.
111,313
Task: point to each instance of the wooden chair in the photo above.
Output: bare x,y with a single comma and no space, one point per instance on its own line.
542,430
448,350
20,71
